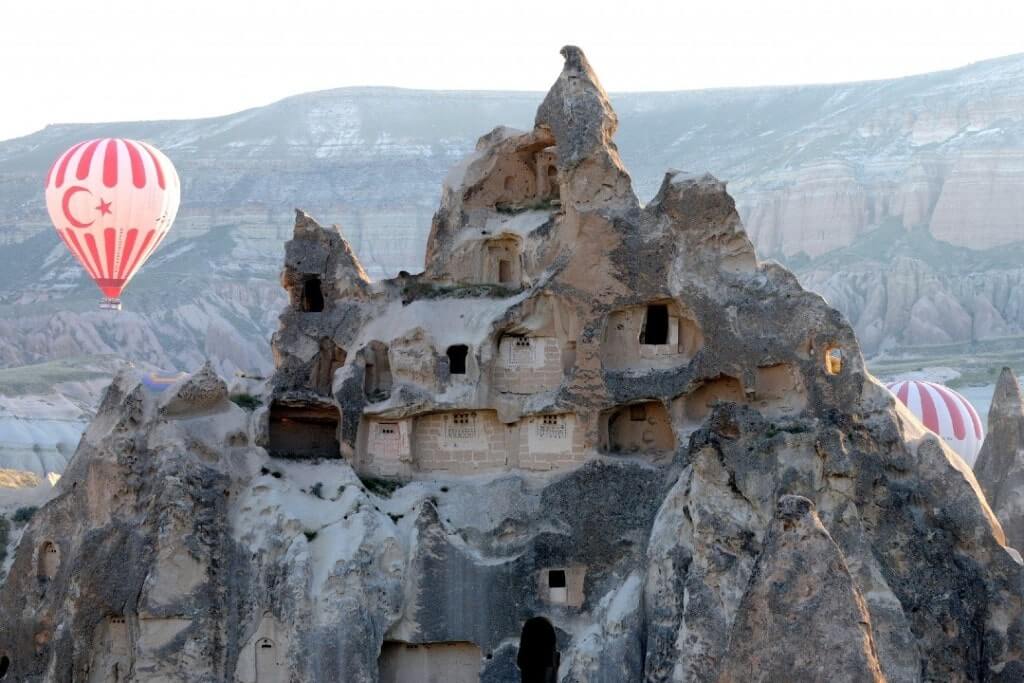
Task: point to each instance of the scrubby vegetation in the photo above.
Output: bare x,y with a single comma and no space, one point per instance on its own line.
246,401
5,532
381,487
22,515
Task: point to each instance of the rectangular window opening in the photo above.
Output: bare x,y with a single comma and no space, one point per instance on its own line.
504,271
655,329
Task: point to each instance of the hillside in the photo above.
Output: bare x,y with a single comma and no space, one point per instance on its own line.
841,182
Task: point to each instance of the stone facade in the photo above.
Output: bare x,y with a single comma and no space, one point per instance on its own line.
528,365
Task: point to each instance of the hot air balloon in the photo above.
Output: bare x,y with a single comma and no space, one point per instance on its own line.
944,412
112,202
158,381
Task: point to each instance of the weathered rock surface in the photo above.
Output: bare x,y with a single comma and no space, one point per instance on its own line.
802,618
1000,464
563,445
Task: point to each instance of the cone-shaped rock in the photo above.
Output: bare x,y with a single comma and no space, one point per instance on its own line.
1000,465
802,618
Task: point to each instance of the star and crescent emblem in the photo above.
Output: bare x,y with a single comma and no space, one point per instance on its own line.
103,207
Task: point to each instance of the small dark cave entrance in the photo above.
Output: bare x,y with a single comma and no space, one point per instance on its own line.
5,664
312,296
538,657
655,329
457,359
553,190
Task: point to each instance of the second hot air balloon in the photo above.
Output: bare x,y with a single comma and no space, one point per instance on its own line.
112,202
945,412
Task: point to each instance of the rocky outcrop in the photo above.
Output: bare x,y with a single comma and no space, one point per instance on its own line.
592,436
802,617
1000,464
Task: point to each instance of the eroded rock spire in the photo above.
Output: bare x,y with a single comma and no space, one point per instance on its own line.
577,110
1000,465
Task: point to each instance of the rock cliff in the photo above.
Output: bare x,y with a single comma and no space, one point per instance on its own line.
1000,464
593,436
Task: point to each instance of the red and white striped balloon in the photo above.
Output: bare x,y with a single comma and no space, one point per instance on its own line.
944,412
112,202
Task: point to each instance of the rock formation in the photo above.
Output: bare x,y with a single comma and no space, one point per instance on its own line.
835,172
591,435
1000,464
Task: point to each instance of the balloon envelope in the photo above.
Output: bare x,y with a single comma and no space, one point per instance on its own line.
945,412
112,202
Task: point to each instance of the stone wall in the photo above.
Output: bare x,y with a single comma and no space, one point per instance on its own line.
550,442
464,441
527,365
385,447
416,663
468,441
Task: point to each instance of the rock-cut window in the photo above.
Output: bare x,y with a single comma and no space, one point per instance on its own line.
457,359
655,329
312,296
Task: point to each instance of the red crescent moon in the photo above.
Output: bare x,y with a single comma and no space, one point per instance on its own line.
71,192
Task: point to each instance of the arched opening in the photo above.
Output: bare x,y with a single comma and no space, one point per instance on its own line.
377,373
267,666
457,359
304,431
638,428
553,182
49,560
312,296
5,665
833,360
538,657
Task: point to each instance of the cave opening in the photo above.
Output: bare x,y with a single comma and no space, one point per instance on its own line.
655,329
457,359
312,296
833,360
5,664
304,431
538,657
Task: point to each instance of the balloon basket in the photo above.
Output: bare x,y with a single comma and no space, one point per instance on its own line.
111,304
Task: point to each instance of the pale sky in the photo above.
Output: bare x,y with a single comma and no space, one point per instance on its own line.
110,60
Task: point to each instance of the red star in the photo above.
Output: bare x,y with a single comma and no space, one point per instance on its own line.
104,208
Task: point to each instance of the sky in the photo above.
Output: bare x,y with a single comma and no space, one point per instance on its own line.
109,60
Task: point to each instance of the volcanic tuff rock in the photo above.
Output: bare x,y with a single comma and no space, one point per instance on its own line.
802,618
835,172
1000,464
592,435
